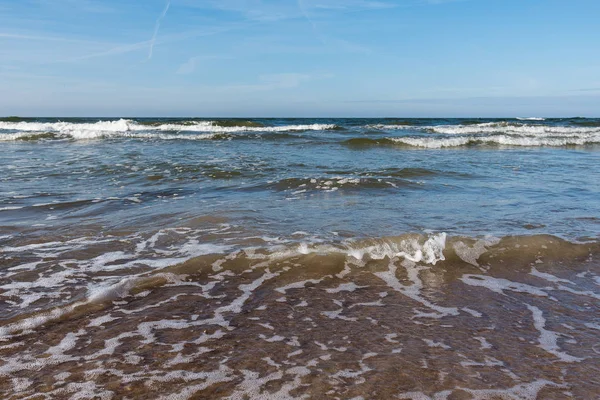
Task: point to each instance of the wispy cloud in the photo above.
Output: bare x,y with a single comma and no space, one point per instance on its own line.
591,89
254,10
120,49
90,6
157,27
265,11
172,38
44,38
188,67
276,82
312,23
192,63
331,41
352,5
442,1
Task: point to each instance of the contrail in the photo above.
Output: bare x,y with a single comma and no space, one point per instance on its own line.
310,21
157,27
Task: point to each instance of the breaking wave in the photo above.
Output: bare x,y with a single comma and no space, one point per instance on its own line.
431,249
501,140
511,128
506,127
186,130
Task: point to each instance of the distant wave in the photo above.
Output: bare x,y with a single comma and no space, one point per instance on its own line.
22,130
511,128
493,127
469,133
503,133
501,140
531,119
220,122
91,135
438,142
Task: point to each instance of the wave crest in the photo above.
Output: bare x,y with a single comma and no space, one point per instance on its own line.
17,130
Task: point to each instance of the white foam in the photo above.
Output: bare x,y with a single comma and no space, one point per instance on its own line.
337,314
252,385
55,356
413,291
62,376
548,277
80,391
377,303
504,140
430,252
531,119
392,127
488,362
548,339
578,292
10,208
21,384
272,339
267,326
27,324
131,129
95,294
390,337
592,325
485,345
432,343
99,321
471,254
513,129
61,279
348,373
345,287
499,285
223,374
66,344
524,391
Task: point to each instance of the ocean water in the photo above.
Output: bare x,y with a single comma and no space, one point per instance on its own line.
300,258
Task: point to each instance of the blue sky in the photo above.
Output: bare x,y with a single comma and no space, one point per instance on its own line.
300,58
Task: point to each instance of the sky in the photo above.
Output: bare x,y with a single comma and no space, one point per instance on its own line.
300,58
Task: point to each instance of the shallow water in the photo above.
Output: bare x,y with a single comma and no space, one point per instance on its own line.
338,258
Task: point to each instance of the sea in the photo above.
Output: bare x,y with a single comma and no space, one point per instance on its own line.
328,258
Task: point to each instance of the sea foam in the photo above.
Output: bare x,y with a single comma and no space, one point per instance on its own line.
131,129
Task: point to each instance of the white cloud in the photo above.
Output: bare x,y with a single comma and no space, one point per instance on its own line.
348,5
188,67
192,63
441,1
270,10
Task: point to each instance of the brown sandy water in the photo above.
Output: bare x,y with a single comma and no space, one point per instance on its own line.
272,258
408,317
